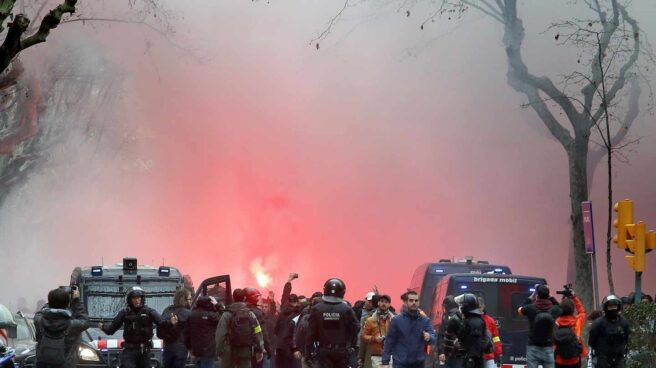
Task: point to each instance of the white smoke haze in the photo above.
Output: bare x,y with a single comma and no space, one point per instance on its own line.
257,153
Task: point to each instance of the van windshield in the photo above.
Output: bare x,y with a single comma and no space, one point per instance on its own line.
105,299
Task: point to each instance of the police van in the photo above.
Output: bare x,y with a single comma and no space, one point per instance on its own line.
103,290
428,275
503,295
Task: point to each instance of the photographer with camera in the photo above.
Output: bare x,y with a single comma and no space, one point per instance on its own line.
375,330
541,309
58,327
568,345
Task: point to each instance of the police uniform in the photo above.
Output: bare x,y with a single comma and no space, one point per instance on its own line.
609,336
448,335
138,326
333,328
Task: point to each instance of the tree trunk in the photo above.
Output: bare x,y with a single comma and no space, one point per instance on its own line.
577,154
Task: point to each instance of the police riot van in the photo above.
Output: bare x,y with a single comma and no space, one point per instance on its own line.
103,290
428,275
503,295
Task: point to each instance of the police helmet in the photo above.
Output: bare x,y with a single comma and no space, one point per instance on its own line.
136,291
334,290
252,295
611,299
470,304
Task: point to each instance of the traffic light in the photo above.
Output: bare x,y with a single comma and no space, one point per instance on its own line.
650,241
624,209
636,245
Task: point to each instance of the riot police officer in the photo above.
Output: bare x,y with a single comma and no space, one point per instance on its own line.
609,335
332,327
447,349
473,335
137,320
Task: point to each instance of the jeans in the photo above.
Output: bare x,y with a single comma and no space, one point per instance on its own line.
135,358
490,363
174,358
206,363
413,365
539,355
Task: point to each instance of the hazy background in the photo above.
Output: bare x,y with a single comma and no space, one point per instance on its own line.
386,148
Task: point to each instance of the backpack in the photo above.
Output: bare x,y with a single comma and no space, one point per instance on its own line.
51,350
567,343
168,333
242,328
543,326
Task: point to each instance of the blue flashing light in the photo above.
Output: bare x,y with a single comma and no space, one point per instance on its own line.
439,271
104,350
463,287
531,289
96,271
498,270
164,271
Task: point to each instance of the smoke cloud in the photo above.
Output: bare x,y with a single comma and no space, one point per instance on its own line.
250,152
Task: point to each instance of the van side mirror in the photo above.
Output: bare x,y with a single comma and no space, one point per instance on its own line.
10,328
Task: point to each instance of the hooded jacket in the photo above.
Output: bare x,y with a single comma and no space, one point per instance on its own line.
576,323
201,327
63,323
531,309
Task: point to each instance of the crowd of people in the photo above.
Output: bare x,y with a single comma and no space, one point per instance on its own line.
326,331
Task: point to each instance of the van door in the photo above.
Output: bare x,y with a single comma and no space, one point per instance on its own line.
218,286
513,328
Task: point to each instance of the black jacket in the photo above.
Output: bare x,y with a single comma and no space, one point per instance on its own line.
609,337
531,309
178,342
138,324
63,322
448,332
285,327
259,314
201,328
332,324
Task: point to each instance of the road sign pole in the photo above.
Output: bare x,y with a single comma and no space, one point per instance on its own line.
588,232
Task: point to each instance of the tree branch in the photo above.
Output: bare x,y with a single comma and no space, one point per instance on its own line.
13,44
522,81
609,29
490,11
6,7
620,80
49,22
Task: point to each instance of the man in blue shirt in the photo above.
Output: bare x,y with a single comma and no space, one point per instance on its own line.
409,334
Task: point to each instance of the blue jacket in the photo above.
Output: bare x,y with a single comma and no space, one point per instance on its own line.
405,339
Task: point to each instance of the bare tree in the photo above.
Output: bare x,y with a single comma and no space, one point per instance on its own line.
27,99
578,106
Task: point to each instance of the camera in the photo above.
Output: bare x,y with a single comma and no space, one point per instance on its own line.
566,292
69,288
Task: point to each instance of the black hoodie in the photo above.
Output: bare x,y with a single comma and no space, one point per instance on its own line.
62,323
201,327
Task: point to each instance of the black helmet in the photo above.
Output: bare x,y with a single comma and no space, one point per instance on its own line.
611,299
252,294
449,302
470,304
136,291
333,290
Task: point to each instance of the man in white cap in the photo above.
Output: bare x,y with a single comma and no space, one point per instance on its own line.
370,304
